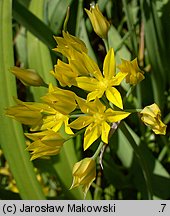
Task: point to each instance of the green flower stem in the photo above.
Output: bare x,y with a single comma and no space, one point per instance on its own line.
98,150
66,19
163,153
106,44
77,115
165,148
128,93
133,110
141,159
76,134
105,101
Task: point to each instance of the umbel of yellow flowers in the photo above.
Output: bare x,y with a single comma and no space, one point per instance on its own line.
102,108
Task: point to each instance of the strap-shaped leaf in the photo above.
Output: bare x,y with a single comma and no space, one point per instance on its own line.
11,134
33,24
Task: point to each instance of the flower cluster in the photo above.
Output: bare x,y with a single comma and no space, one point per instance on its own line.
97,113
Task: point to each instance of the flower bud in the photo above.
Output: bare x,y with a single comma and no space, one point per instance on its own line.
84,173
131,68
28,77
100,24
151,116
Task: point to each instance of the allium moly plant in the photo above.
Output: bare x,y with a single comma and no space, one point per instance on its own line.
96,116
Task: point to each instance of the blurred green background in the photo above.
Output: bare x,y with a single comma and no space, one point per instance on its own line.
140,28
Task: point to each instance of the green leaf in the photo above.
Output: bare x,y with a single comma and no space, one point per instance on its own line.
11,134
156,47
157,175
33,24
56,11
117,42
39,57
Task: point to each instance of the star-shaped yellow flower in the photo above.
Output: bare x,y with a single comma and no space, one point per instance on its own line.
97,119
102,83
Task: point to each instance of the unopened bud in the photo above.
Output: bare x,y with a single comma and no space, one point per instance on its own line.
100,24
28,77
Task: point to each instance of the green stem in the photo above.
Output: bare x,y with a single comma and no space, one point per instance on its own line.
106,44
66,19
77,115
98,150
76,134
128,93
130,23
163,153
133,110
141,159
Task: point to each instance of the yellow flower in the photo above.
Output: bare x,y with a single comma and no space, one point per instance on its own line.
80,64
131,68
84,173
99,22
64,74
151,116
28,77
98,84
97,119
68,44
72,48
45,143
49,115
27,113
61,100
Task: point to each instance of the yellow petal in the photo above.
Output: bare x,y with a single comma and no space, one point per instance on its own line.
92,67
86,107
114,96
52,122
95,94
61,100
67,128
87,83
75,42
81,122
36,136
64,73
92,134
161,129
109,67
105,132
115,116
99,107
152,110
115,81
24,115
39,149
